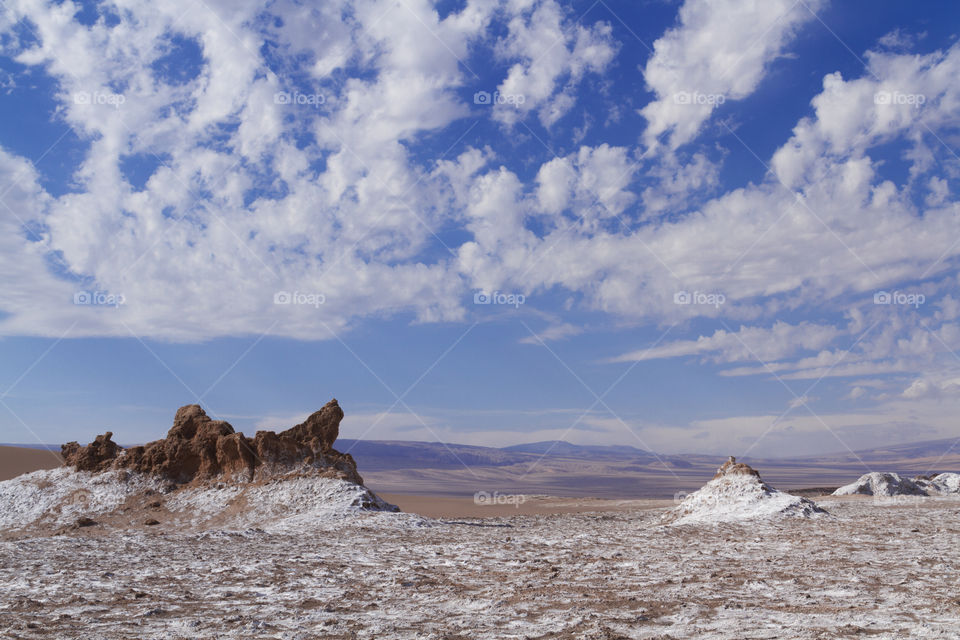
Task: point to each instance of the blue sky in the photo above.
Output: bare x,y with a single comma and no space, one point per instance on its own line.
685,226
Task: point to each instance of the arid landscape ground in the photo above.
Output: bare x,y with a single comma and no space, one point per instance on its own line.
298,558
871,569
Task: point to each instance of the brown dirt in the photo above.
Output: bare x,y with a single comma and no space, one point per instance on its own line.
15,461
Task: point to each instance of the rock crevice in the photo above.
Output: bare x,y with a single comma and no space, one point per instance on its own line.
199,449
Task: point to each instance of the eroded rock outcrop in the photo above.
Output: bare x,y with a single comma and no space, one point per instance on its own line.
199,449
733,468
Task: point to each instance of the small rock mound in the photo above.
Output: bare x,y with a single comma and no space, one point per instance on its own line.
737,492
198,449
881,484
946,482
893,484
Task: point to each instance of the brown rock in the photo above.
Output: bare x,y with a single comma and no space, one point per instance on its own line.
199,449
235,456
92,456
732,467
320,429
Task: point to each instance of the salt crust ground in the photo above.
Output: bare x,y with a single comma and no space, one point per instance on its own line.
880,568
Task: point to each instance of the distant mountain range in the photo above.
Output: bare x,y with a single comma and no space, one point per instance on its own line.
564,469
404,454
562,448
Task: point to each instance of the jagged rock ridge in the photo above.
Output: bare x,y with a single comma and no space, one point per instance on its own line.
199,449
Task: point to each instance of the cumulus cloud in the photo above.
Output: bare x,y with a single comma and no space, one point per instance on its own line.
262,181
552,55
899,97
720,51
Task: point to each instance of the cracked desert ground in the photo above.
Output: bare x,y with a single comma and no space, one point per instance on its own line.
873,568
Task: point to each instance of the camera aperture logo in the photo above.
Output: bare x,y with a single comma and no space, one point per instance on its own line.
899,297
499,297
487,98
98,299
487,499
699,297
299,297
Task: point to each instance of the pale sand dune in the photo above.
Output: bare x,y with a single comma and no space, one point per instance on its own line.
17,460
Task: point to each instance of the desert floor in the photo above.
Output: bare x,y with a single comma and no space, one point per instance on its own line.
15,461
885,568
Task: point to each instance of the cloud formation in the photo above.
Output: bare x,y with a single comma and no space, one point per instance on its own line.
297,168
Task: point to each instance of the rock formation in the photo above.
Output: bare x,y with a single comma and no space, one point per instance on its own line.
893,484
199,449
732,467
738,493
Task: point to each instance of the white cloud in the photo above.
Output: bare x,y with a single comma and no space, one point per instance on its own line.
901,96
257,197
679,185
719,51
594,181
553,332
747,344
552,53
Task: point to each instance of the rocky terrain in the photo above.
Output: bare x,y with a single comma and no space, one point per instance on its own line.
188,538
886,571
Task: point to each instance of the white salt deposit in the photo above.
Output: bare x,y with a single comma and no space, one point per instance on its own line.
59,497
738,494
947,482
893,484
277,505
